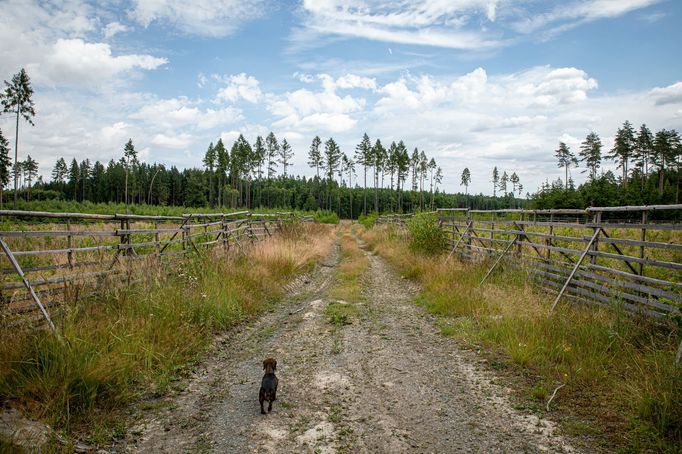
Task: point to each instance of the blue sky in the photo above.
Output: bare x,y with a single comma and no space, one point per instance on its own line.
473,83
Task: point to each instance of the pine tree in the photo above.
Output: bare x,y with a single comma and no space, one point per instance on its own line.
623,148
504,179
590,154
209,163
495,180
222,165
432,168
129,159
403,167
349,166
332,158
315,156
466,180
378,153
273,149
392,167
566,159
60,171
644,146
5,165
285,155
666,144
84,176
74,176
363,156
514,180
17,99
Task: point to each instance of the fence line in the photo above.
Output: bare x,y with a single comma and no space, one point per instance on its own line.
63,255
609,256
602,255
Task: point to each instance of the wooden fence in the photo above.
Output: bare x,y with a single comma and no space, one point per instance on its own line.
626,254
50,258
629,257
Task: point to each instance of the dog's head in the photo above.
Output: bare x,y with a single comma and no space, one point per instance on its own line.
270,365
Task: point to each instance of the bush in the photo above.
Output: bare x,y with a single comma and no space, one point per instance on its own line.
426,236
326,217
368,220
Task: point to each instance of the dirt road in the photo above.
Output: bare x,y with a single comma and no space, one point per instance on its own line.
386,382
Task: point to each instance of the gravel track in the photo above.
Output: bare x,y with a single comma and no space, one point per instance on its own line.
388,382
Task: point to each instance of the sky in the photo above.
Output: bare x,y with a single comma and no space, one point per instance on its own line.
472,83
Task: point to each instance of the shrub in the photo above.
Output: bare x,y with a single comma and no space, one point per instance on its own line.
368,220
326,217
426,236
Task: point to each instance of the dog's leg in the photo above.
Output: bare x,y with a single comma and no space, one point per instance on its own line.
270,407
262,411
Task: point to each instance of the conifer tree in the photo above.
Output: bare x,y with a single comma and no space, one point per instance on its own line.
466,180
590,154
129,159
566,159
623,148
272,147
495,180
644,146
315,156
222,165
332,158
378,153
285,155
209,163
363,156
60,171
5,165
17,99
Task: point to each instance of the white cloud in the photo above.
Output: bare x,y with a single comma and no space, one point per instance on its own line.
458,24
182,112
311,110
671,94
177,142
75,62
240,86
113,28
213,18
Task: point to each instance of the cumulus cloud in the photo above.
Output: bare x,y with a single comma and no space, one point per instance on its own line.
76,62
215,18
178,142
671,94
310,110
240,86
182,112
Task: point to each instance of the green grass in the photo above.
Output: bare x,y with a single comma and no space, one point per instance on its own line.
618,370
139,340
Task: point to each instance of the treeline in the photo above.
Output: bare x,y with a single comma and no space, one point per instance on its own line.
649,167
246,176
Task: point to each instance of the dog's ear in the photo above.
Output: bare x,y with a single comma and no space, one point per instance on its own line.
274,364
265,364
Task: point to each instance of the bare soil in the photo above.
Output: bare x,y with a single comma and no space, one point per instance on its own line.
387,382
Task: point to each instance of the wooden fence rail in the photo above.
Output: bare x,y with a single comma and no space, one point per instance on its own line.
605,255
627,257
61,255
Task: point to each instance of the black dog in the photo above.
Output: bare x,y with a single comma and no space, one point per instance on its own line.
268,387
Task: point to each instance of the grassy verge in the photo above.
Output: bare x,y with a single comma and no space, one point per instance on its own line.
618,372
137,340
346,290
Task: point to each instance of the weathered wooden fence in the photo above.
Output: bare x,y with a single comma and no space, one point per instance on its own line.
50,258
628,257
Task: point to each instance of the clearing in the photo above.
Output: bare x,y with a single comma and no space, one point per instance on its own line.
377,378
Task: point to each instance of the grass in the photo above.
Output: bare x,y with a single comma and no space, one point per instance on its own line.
618,371
138,340
346,290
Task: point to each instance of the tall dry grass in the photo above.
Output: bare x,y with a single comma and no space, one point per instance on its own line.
131,341
618,371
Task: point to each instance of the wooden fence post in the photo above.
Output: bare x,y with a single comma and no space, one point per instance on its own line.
645,220
69,254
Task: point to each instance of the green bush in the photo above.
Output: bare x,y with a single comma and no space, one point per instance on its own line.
326,217
368,220
426,236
